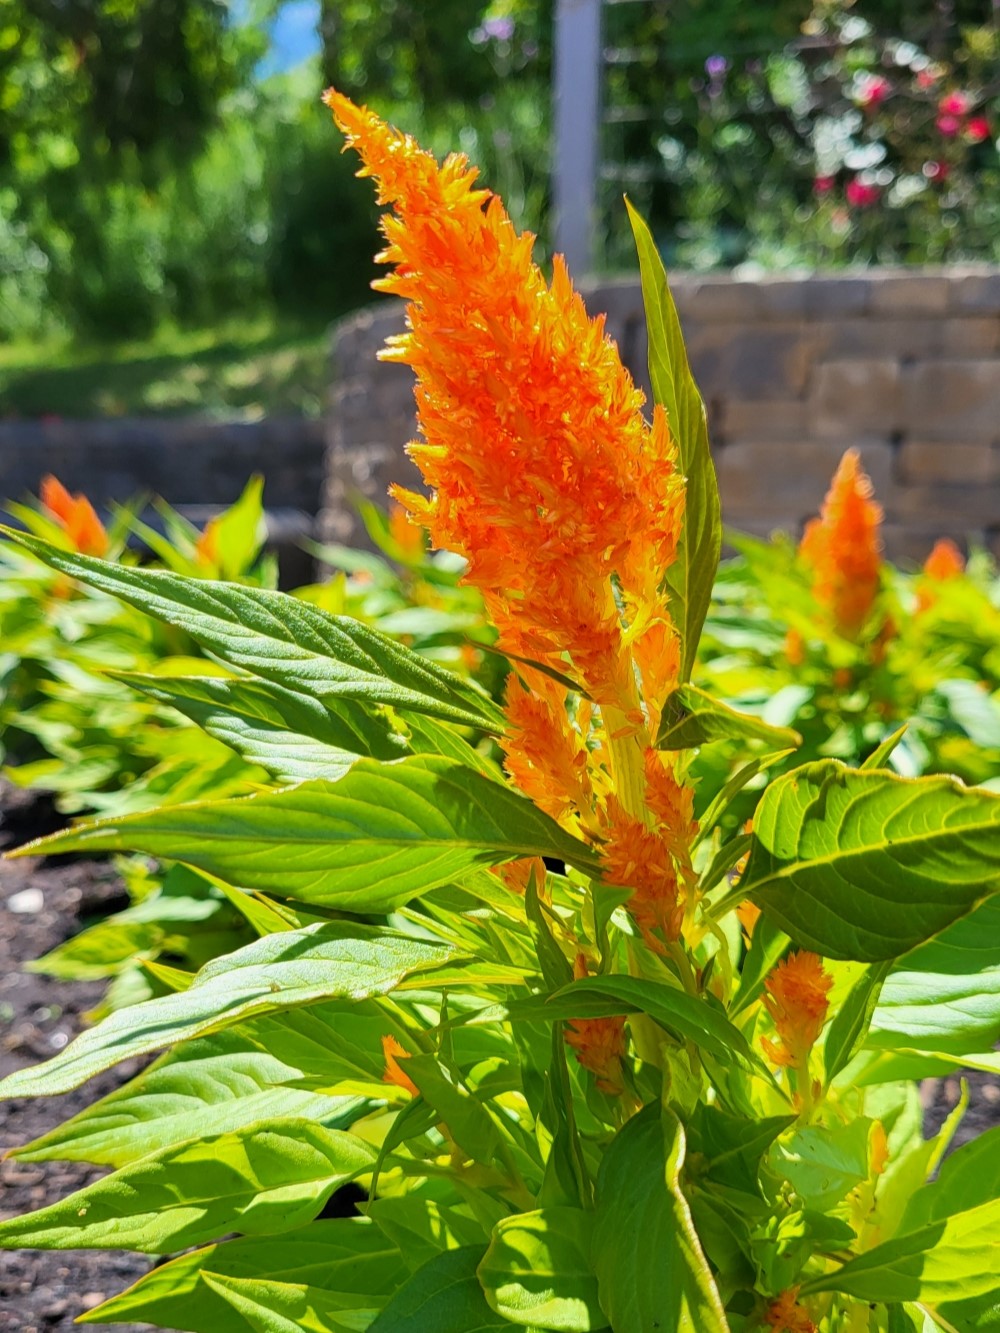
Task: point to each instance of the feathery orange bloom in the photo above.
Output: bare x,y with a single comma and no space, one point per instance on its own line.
76,516
515,875
393,1051
543,754
408,536
786,1315
642,859
598,1043
796,999
944,562
843,547
543,473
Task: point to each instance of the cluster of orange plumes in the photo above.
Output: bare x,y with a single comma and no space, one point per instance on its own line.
567,505
76,516
797,1000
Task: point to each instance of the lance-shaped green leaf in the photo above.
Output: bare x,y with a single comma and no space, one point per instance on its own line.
650,1266
380,836
349,1259
260,1180
444,1296
537,1271
946,993
294,736
320,962
954,1259
284,639
205,1087
692,717
690,1018
853,1019
269,1306
867,865
690,577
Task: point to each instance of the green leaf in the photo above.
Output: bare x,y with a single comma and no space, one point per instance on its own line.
651,1271
690,1018
278,972
969,1177
954,1259
284,639
279,1307
691,717
468,1120
372,841
294,736
880,756
851,1022
824,1164
261,1180
422,1228
946,993
690,577
537,1271
444,1296
206,1087
348,1258
867,865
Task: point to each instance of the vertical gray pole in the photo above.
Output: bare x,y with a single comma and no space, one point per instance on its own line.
577,117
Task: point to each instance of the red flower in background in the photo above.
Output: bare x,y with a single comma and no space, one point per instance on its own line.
955,104
874,91
977,129
860,194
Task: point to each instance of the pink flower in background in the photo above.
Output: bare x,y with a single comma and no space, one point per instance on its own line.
824,184
873,91
977,129
956,103
862,195
949,126
926,78
935,171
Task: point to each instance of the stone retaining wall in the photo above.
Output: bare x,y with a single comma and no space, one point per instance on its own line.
188,461
905,365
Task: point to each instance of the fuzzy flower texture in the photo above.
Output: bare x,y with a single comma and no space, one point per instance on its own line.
566,503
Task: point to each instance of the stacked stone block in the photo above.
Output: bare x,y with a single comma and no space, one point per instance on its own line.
902,364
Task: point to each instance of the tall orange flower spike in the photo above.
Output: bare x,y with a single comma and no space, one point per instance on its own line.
545,476
843,547
543,473
76,516
598,1043
797,991
786,1315
944,562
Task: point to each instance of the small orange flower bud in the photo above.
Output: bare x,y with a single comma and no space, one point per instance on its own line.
206,548
394,1051
944,562
598,1043
795,648
796,999
786,1315
76,516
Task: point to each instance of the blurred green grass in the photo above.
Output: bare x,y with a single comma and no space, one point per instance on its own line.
243,370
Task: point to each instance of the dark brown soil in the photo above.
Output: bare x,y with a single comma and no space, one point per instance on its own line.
43,1291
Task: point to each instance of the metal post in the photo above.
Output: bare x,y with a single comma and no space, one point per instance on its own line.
577,119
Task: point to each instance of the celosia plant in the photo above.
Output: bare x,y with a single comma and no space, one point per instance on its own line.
838,642
578,1091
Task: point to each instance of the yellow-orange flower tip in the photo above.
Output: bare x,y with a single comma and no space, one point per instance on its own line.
945,561
393,1051
786,1315
544,755
206,548
748,914
797,1001
543,473
843,546
76,516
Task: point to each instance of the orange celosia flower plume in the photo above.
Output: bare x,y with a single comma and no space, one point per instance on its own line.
843,547
944,562
797,991
598,1043
76,516
544,476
